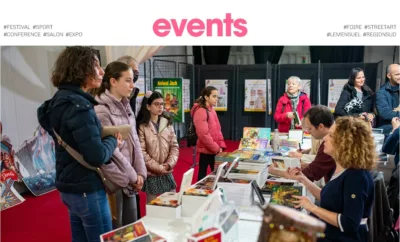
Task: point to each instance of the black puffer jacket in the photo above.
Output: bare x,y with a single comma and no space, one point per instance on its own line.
348,94
70,112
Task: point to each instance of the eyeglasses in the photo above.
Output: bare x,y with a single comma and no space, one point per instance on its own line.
157,104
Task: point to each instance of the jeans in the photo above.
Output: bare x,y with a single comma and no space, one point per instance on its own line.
89,215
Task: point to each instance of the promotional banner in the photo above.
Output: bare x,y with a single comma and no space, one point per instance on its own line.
335,89
37,156
222,87
171,89
255,95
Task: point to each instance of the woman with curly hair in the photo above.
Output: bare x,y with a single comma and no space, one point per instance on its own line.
346,200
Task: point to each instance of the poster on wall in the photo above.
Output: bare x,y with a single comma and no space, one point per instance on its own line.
37,156
141,85
186,95
305,86
335,89
255,95
171,89
222,87
269,97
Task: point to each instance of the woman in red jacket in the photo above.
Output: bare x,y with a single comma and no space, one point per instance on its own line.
208,129
293,97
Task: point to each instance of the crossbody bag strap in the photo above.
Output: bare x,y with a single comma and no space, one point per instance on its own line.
76,155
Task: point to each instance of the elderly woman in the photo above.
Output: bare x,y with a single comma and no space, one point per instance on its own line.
346,200
292,101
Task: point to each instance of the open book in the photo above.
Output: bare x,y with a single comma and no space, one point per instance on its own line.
112,130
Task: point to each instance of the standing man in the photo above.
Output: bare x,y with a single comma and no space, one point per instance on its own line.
317,121
130,61
387,99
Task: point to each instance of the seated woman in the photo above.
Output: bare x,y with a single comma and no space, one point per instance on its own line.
292,101
346,200
356,98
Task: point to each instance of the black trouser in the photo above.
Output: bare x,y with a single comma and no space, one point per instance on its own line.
139,216
205,161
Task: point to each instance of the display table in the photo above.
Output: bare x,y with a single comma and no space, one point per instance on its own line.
177,230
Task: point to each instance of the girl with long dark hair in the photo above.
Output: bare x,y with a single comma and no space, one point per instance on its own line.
159,145
210,140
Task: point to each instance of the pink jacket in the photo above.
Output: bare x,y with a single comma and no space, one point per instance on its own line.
159,147
110,111
210,138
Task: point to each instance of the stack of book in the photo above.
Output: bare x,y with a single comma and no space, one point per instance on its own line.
253,175
237,190
168,205
252,165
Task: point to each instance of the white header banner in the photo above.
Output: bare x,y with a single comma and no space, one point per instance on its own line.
179,22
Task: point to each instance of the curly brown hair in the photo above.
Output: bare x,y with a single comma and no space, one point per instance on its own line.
354,143
74,65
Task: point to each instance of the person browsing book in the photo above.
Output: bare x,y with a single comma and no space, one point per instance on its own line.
159,145
292,106
210,140
346,200
70,112
113,110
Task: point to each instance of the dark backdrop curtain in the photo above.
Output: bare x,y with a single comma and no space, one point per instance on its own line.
213,55
262,54
197,55
337,54
216,55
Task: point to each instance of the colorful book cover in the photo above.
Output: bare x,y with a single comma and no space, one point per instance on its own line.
289,143
208,235
168,199
256,133
171,89
243,154
198,192
9,196
282,195
238,181
156,238
253,144
267,188
243,171
278,163
205,183
128,233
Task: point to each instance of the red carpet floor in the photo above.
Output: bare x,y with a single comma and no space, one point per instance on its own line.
45,218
